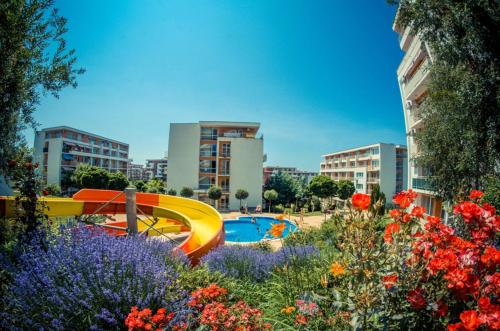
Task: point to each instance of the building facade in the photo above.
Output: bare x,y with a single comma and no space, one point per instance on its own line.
59,150
224,154
307,176
413,77
156,168
136,172
382,164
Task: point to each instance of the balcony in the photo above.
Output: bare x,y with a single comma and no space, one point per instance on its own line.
421,184
207,170
224,172
405,39
207,153
208,137
204,186
225,154
413,84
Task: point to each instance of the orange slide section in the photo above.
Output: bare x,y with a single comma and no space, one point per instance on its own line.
173,214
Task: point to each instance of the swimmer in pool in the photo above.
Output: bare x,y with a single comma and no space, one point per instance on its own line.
254,220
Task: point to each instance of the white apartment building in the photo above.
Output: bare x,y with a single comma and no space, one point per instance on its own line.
60,149
413,76
135,171
156,168
224,154
292,171
382,164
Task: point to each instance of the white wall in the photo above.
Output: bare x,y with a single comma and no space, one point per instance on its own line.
361,180
183,156
246,170
387,170
54,161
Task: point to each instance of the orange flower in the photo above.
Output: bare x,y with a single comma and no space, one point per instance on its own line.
280,217
337,269
389,230
288,310
418,211
277,229
361,201
395,213
389,280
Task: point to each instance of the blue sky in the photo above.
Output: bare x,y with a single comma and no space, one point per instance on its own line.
319,76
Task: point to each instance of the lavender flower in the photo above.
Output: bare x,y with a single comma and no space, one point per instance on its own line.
251,263
85,279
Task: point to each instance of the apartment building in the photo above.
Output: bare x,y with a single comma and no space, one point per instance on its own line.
60,149
156,168
135,171
382,164
294,172
224,154
413,76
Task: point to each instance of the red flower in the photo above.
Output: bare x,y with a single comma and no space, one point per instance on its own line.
455,327
475,195
489,208
300,319
390,280
433,220
395,213
418,211
406,218
444,259
404,198
469,211
441,309
389,230
11,163
361,201
416,299
470,320
491,257
45,192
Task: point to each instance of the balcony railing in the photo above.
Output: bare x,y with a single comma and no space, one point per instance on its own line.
224,172
227,154
204,186
421,184
207,153
208,137
207,170
416,79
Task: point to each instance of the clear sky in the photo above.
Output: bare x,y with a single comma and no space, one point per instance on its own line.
319,76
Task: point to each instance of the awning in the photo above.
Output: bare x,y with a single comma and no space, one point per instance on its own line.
67,156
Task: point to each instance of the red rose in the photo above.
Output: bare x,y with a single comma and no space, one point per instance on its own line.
361,201
395,213
404,198
469,211
470,320
475,195
390,280
418,211
416,299
389,230
441,309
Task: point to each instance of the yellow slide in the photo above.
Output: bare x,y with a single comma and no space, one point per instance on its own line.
174,214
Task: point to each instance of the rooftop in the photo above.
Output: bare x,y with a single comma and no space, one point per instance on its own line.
63,127
362,147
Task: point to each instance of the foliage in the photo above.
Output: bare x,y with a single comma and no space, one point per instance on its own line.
241,195
214,193
155,185
270,195
187,192
117,181
172,192
87,176
459,143
345,189
321,237
34,61
492,192
140,185
377,200
89,280
285,185
323,187
52,189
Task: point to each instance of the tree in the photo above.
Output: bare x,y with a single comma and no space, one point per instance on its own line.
270,195
285,185
492,192
323,187
87,176
172,192
140,185
459,143
377,200
117,181
345,189
155,186
241,195
214,193
186,192
34,61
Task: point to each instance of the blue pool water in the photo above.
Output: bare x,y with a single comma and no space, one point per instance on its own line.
243,230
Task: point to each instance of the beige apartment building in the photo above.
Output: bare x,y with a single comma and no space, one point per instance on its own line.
224,154
156,168
382,164
61,149
413,76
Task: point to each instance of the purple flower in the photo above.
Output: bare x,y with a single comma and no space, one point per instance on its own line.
88,279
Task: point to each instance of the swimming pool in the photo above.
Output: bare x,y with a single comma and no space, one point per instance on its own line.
243,230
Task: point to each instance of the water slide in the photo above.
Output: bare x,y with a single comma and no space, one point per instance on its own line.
170,214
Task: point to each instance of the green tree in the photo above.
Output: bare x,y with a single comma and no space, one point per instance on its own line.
241,195
459,143
285,185
87,176
214,193
378,200
172,192
155,185
345,189
34,61
117,181
270,195
323,187
492,191
186,192
140,185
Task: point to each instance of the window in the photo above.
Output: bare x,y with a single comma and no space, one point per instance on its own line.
224,184
224,167
375,163
375,151
360,175
353,164
209,133
359,186
226,149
